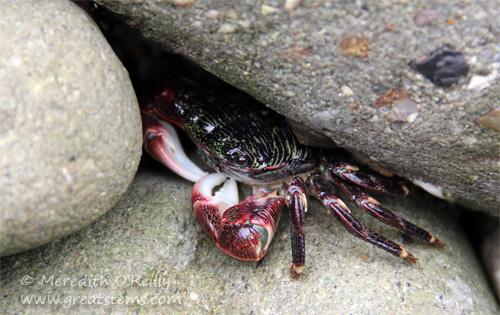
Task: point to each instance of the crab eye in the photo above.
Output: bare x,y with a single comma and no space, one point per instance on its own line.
239,158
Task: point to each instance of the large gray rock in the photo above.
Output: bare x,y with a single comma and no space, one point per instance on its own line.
70,129
151,235
340,67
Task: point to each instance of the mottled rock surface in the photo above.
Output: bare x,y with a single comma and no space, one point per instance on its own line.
149,247
70,129
341,68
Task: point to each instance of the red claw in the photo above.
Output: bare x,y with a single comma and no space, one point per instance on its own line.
242,230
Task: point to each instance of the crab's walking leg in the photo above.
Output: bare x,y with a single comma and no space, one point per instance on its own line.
336,207
242,230
297,202
341,165
373,207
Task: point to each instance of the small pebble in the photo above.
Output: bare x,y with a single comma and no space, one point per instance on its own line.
480,82
354,46
405,110
197,24
227,28
212,14
291,4
193,296
425,17
245,23
267,9
183,3
491,120
346,91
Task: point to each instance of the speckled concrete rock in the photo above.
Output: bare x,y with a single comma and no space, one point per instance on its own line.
149,247
341,68
70,129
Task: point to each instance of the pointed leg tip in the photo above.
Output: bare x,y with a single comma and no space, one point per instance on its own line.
438,243
412,258
409,257
296,271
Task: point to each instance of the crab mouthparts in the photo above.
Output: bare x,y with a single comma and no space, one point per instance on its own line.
274,167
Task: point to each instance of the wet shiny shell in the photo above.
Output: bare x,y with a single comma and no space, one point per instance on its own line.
242,138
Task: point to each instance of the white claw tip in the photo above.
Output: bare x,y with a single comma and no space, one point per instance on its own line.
228,193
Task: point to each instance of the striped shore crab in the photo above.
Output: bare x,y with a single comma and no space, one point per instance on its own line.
245,141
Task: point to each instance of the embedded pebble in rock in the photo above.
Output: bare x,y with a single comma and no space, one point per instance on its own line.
212,14
298,62
70,129
490,120
346,91
486,78
425,17
150,247
267,10
405,110
227,28
291,4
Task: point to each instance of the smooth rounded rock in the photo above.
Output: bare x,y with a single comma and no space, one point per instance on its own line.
150,254
336,67
490,253
70,129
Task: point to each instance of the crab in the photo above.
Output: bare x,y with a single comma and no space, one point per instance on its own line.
245,141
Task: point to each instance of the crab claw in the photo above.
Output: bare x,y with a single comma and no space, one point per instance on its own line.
162,142
242,230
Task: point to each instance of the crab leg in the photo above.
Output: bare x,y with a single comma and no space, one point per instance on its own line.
373,207
297,201
242,230
336,207
341,165
162,142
